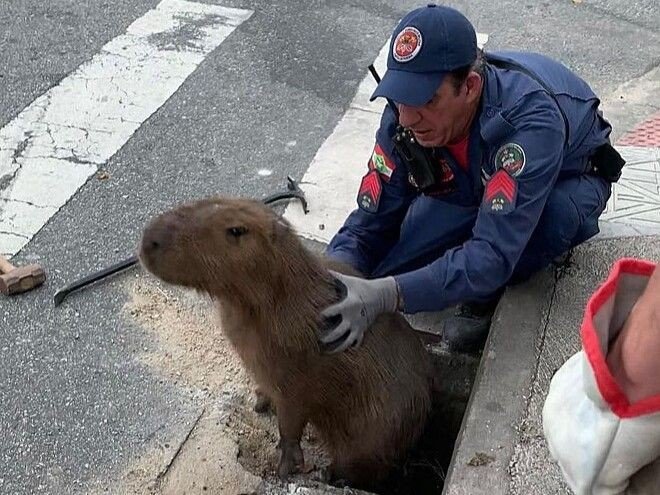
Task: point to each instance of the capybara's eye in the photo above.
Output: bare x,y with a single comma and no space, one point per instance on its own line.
237,231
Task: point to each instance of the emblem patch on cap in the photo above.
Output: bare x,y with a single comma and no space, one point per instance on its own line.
511,158
501,192
370,189
407,44
379,161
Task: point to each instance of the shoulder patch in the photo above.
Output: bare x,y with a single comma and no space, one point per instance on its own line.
501,193
510,157
381,162
370,190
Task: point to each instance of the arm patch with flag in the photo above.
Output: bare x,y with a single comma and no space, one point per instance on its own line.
381,162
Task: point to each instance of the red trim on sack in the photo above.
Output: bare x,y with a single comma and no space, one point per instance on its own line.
608,387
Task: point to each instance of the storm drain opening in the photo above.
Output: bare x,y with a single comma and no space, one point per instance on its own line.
427,465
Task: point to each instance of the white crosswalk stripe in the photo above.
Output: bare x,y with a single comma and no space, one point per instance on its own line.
51,148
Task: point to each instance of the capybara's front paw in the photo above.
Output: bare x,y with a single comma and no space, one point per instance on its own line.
291,460
262,403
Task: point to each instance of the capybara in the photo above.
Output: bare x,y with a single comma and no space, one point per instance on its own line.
368,404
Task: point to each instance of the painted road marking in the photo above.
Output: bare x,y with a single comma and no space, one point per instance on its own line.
332,179
51,148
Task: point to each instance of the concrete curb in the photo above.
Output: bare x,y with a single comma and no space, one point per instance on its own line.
498,401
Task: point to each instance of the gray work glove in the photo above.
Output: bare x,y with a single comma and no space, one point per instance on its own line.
364,300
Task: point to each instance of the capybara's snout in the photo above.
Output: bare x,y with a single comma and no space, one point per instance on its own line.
156,239
159,248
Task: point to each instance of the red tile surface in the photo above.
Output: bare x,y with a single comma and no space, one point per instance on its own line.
646,134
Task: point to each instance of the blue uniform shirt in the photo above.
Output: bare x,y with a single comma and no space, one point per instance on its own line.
520,145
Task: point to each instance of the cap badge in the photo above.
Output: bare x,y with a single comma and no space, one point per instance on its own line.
407,44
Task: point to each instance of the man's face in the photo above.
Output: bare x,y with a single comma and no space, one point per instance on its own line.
445,118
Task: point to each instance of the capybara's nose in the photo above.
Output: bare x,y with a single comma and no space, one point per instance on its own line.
153,240
157,237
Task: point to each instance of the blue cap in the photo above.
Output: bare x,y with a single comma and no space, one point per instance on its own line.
428,43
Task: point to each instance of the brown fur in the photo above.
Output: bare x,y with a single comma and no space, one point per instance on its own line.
368,404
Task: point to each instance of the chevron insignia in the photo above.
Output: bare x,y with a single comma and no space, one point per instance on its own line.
501,192
370,189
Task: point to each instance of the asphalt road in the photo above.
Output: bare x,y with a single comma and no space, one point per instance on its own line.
74,401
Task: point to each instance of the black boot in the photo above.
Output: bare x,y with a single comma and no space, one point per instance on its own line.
467,330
